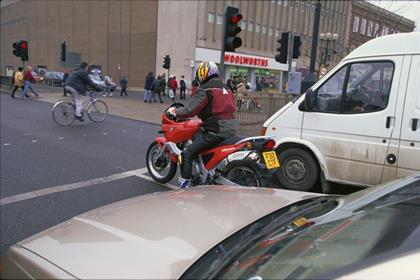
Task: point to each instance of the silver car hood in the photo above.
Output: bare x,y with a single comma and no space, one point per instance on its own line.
155,236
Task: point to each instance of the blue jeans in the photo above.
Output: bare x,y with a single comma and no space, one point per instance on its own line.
28,86
147,95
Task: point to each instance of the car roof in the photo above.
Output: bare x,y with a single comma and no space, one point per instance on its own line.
390,45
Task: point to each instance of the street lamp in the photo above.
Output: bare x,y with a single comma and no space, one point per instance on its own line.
328,44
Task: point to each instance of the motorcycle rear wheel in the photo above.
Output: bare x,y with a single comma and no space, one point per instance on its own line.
162,170
243,174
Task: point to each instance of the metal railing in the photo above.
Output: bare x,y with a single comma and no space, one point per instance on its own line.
255,108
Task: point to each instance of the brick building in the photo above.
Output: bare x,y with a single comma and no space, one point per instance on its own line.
132,37
369,21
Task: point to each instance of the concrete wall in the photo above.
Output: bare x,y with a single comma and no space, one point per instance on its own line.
110,33
176,36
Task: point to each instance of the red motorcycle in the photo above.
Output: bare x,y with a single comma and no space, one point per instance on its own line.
235,161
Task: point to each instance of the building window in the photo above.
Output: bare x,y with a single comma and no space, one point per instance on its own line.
369,29
243,25
270,31
219,19
277,32
375,30
285,3
356,24
257,28
250,26
264,29
279,2
385,30
363,26
210,17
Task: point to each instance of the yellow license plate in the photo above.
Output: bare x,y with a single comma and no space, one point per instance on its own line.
270,159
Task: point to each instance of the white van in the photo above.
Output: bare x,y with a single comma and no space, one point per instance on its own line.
360,124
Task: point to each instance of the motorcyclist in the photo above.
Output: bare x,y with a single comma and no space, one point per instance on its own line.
214,104
76,84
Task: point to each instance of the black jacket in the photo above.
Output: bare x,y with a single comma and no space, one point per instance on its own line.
79,80
148,82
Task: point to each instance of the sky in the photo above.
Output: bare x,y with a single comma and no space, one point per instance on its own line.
408,9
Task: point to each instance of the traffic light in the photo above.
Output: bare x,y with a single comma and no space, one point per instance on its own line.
284,42
167,62
24,50
17,51
232,29
63,56
296,46
21,50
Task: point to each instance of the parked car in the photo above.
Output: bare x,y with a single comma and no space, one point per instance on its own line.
359,125
98,80
54,79
221,232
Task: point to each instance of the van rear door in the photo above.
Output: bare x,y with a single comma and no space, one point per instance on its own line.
409,151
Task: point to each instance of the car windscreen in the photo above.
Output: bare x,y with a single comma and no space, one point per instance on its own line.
307,252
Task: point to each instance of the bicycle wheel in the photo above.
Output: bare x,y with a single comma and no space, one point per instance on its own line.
63,113
97,111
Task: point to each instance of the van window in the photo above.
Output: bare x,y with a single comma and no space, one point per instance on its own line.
365,88
329,94
368,87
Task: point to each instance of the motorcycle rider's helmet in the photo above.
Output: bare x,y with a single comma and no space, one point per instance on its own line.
206,70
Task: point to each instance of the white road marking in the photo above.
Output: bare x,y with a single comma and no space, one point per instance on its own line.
7,144
60,138
34,141
104,133
68,187
124,131
84,135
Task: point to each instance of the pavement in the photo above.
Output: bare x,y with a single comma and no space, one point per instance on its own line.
131,107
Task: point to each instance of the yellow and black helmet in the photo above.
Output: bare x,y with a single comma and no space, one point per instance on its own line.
206,69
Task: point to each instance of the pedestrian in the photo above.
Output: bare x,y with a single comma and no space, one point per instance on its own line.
173,85
107,81
194,85
76,84
18,81
148,86
123,84
28,80
163,84
231,84
65,76
156,86
183,87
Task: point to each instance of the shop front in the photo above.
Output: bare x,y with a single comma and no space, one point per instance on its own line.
261,72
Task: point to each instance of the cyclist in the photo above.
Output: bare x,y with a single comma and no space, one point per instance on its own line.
76,84
214,104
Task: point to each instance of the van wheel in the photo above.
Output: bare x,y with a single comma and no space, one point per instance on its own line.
298,170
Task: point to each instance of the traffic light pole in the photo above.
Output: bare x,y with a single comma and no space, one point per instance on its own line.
222,49
290,51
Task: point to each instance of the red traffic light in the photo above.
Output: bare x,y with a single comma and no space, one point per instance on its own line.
24,45
235,18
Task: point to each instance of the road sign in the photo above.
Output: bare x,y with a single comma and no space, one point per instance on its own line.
294,81
323,71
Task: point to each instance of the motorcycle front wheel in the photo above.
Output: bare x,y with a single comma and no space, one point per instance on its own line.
243,174
162,169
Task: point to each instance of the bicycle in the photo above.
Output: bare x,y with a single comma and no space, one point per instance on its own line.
63,112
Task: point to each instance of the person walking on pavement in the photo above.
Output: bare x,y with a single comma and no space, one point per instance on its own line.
163,80
148,86
76,84
28,80
18,81
183,87
173,85
156,86
215,105
65,76
123,84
